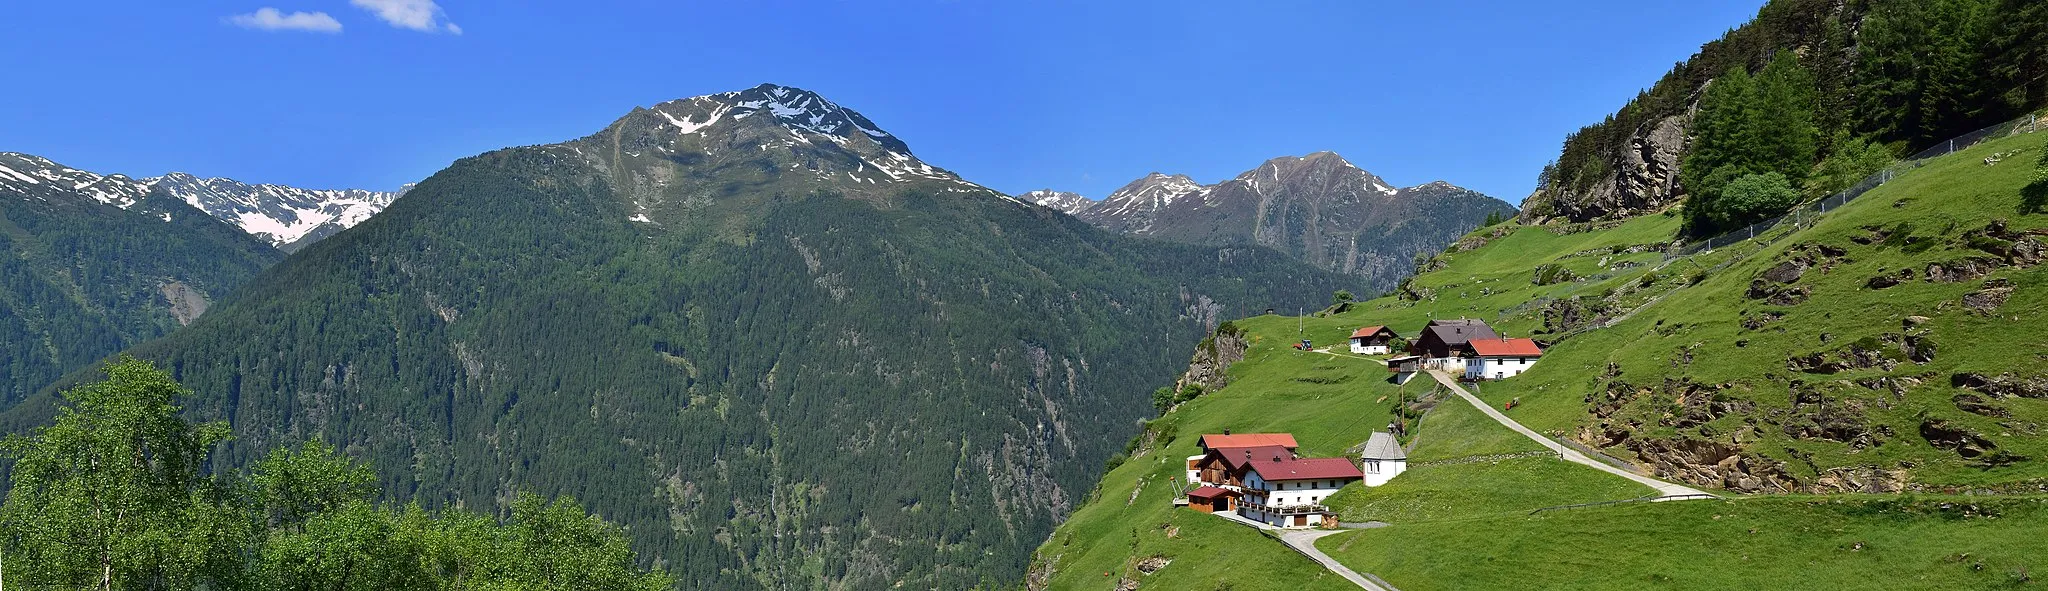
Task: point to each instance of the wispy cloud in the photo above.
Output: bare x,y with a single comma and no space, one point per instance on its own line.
418,15
271,19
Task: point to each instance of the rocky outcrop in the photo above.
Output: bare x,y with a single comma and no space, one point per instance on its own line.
1569,314
1643,178
1213,357
1712,464
1990,298
2003,385
1944,435
186,302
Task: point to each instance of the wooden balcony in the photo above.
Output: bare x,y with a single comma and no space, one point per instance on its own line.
1287,510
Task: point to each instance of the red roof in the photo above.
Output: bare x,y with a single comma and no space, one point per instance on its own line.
1210,492
1505,347
1285,440
1305,469
1367,331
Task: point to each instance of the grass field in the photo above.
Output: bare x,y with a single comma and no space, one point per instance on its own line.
1888,543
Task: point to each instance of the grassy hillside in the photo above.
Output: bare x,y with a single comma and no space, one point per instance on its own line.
1890,347
1762,543
1825,382
1331,403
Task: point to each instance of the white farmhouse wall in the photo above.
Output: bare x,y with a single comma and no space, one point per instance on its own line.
1195,475
1378,472
1358,346
1494,368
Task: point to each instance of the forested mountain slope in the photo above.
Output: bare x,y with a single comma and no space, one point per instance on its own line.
751,327
91,265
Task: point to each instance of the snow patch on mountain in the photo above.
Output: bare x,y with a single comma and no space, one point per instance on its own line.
275,213
1068,203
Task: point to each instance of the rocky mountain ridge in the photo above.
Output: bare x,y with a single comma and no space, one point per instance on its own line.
1320,208
283,216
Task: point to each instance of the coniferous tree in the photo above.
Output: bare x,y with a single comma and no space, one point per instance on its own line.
1781,127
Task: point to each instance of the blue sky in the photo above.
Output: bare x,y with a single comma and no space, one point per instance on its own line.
1016,95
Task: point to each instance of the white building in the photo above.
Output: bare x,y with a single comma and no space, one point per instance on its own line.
1288,492
1373,340
1383,459
1501,358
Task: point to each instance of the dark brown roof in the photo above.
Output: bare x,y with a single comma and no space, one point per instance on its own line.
1457,332
1210,492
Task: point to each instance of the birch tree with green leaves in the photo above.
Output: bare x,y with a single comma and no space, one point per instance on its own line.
113,494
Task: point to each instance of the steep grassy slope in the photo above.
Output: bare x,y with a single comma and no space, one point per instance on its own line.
1331,403
1798,365
1861,542
1803,362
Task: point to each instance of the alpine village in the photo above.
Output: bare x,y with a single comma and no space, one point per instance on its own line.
1773,322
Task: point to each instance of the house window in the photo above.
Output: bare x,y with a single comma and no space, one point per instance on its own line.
1524,360
1372,466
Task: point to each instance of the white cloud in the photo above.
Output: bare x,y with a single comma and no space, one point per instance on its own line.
270,19
418,15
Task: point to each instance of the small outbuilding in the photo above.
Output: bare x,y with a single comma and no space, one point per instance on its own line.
1209,499
1373,340
1383,458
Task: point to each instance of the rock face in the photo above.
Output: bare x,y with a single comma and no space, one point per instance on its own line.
1319,208
1213,358
1643,179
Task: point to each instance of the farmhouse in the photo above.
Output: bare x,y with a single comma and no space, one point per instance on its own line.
1442,343
1223,456
1288,492
1373,340
1499,358
1226,467
1383,459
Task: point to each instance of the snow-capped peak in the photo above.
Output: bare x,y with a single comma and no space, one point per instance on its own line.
28,174
800,111
275,213
1154,192
1059,200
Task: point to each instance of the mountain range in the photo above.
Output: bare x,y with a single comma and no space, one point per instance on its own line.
1319,208
90,265
285,217
753,327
